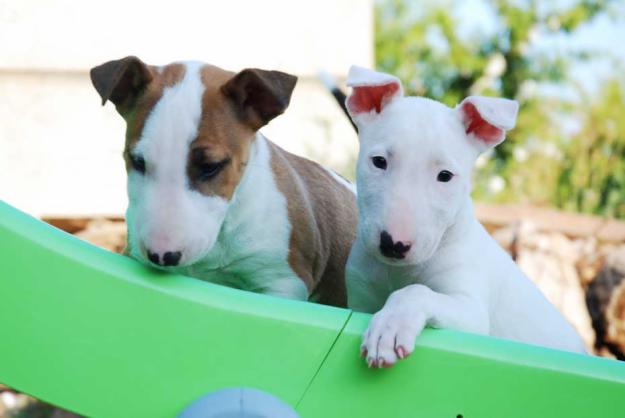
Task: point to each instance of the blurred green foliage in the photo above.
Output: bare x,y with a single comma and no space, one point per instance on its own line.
592,173
564,152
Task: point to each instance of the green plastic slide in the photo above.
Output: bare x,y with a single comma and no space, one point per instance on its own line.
104,336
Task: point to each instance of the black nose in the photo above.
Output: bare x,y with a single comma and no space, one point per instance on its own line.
392,249
170,258
153,257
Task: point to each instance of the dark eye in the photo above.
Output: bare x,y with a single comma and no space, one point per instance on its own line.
379,162
444,176
138,163
207,171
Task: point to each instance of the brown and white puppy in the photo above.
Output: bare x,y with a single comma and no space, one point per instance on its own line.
212,198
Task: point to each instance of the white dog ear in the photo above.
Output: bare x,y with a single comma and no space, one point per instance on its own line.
371,92
486,119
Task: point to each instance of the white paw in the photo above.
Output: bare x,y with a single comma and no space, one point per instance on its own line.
391,336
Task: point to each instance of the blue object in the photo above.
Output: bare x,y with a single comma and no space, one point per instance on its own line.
238,403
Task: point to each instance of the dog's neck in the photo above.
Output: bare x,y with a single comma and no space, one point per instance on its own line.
244,196
458,240
456,234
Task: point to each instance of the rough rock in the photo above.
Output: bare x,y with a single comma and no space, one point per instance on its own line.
605,298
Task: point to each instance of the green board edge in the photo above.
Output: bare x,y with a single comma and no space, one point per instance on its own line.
452,374
104,336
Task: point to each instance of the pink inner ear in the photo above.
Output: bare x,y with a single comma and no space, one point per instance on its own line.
367,98
477,126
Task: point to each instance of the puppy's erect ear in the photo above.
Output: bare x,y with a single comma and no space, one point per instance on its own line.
486,119
371,92
121,81
259,95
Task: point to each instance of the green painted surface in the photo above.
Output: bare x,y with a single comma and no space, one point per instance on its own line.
99,334
453,374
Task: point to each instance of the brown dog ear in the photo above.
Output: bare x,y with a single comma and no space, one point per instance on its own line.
259,95
121,81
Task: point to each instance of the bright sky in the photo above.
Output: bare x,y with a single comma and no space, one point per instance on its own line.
604,35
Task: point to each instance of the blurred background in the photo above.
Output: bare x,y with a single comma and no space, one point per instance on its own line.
553,194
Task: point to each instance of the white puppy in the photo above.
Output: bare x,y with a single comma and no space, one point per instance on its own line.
421,257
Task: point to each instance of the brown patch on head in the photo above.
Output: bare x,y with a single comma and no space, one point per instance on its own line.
234,107
135,88
136,116
121,81
219,154
258,96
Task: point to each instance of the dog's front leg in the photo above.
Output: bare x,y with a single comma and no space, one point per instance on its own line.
393,330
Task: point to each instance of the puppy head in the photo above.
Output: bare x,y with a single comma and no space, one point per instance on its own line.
189,129
415,162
